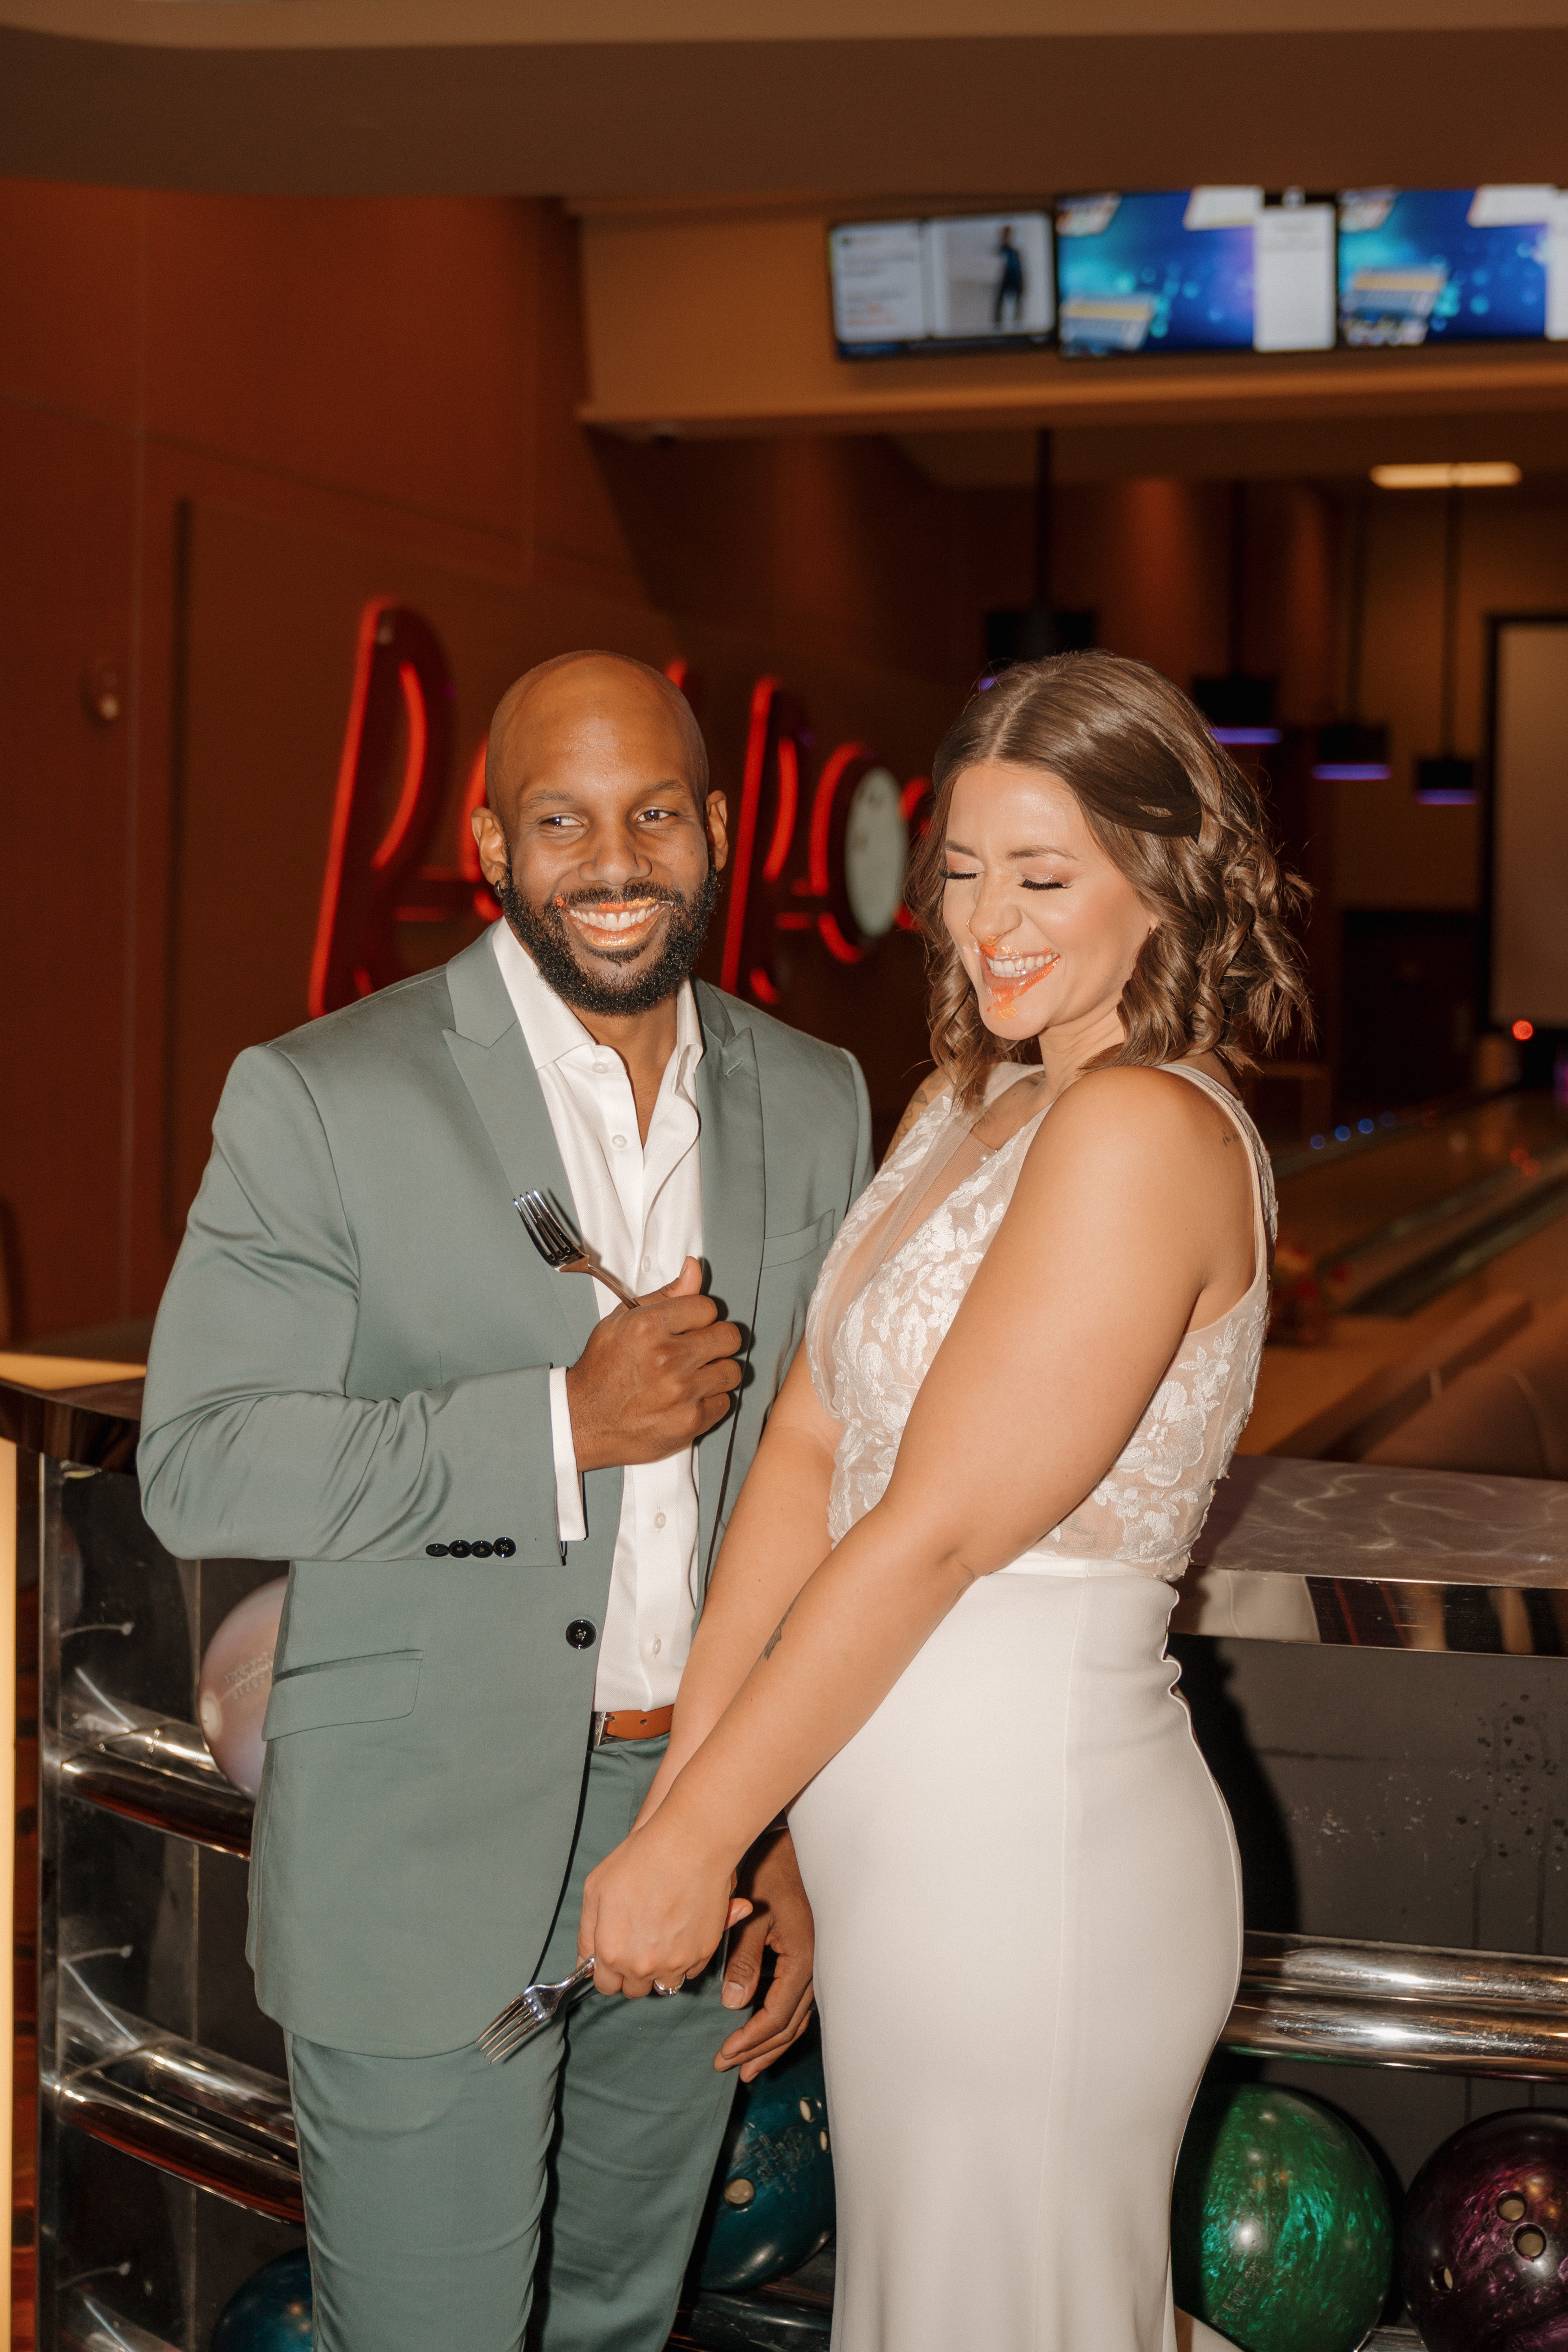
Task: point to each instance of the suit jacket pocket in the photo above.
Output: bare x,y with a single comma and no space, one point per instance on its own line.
343,1690
783,1249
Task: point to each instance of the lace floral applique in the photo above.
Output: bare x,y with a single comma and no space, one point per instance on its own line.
1150,1503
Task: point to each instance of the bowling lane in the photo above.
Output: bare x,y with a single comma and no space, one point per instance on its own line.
1421,1222
1394,1219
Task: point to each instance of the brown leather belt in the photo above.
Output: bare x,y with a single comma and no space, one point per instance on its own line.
627,1723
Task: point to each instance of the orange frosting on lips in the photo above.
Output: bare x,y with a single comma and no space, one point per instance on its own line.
1004,993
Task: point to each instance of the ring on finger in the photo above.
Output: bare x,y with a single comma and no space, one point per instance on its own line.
668,1991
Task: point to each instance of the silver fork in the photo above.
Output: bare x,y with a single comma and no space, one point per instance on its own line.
561,1249
534,2007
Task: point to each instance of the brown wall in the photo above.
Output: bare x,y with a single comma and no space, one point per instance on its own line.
224,422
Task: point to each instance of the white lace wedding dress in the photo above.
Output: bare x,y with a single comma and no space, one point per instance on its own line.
1026,1885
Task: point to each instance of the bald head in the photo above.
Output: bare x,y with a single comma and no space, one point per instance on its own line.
583,693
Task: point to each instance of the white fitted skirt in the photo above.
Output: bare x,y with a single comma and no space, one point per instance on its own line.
1029,1922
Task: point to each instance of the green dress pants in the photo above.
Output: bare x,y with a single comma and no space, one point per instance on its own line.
445,2195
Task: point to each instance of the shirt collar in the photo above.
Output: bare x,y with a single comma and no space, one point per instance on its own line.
551,1030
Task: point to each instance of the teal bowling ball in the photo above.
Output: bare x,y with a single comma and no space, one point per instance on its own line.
272,2312
1282,2235
772,2205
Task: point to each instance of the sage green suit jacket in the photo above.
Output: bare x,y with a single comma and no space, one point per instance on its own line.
351,1365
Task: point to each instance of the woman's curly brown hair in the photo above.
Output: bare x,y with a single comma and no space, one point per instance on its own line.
1220,971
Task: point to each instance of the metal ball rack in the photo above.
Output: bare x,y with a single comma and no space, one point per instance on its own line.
132,1841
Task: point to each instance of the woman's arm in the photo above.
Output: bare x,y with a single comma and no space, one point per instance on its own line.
777,1534
1127,1204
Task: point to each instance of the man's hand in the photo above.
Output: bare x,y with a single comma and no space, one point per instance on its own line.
652,1377
781,1923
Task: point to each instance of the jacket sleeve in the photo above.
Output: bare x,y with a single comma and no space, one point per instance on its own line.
251,1447
863,1158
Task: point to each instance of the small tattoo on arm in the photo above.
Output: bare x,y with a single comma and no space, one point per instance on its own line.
776,1636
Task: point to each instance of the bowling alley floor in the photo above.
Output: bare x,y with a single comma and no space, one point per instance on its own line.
1450,1209
795,2316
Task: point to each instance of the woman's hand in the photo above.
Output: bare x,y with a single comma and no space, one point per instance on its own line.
654,1909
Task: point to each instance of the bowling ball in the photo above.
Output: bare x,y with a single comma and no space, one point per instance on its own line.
272,2312
236,1681
1483,2252
1281,2236
772,2205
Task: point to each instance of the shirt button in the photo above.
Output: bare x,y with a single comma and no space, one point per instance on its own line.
582,1634
599,1069
619,1141
646,1264
659,1519
657,1646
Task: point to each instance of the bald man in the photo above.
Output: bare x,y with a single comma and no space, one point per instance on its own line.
501,1492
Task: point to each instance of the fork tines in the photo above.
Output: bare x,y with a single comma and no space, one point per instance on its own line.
545,1230
509,2032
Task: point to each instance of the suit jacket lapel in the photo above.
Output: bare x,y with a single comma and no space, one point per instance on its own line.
494,1064
734,1199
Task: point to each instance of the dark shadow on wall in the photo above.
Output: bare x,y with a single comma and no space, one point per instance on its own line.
1270,1898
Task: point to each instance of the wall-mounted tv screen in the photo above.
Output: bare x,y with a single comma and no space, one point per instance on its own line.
1195,270
1452,265
963,282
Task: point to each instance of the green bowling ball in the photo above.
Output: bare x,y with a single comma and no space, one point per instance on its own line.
1281,2236
272,2312
772,2205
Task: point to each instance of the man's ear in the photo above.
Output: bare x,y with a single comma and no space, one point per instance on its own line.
718,821
491,844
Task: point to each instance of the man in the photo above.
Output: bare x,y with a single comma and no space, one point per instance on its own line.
502,1493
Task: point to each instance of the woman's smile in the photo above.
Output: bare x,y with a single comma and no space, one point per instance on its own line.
1009,966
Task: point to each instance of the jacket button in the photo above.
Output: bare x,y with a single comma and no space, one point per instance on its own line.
481,1550
459,1550
436,1551
504,1548
580,1634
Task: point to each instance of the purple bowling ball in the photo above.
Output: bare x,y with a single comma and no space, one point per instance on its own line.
1484,2242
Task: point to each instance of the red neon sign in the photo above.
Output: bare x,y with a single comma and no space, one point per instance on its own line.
375,879
401,685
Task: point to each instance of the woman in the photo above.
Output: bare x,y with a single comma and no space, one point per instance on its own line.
937,1629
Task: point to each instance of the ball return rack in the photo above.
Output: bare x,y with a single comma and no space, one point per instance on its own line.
118,1800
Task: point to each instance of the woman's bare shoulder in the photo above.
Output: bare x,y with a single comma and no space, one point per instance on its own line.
1137,1111
932,1087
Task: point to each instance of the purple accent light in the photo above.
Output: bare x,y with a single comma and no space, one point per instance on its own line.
1351,772
1247,734
1448,799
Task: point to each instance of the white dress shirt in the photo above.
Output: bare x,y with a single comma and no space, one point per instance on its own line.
639,1213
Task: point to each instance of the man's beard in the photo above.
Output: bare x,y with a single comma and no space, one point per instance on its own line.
543,932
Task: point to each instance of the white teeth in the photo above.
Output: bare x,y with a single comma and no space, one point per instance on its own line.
1019,967
613,919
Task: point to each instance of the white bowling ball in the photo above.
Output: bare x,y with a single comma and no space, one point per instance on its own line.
236,1681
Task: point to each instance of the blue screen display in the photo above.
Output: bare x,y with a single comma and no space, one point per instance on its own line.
1131,276
1438,264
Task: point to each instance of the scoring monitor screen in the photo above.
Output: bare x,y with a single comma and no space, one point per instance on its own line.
1195,270
1453,265
966,282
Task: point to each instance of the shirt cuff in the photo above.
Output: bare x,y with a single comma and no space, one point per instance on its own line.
571,1525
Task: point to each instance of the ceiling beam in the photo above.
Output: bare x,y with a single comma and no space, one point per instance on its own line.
957,113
